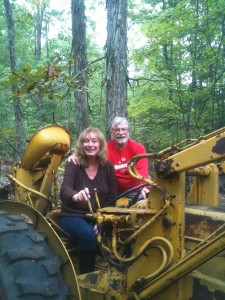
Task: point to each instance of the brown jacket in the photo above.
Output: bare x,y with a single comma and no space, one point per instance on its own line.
76,179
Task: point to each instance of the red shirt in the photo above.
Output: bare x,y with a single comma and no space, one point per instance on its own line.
120,158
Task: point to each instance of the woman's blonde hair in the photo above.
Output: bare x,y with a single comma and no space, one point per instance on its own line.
79,151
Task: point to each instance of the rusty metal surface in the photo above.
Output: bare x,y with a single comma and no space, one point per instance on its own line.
201,221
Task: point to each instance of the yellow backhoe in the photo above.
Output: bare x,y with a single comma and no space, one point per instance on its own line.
168,246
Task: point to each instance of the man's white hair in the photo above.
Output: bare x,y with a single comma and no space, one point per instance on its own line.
118,120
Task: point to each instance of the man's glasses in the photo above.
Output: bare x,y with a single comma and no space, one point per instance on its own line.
118,130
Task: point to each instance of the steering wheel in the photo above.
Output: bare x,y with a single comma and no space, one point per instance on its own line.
135,198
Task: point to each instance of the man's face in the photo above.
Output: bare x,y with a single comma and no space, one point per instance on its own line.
120,134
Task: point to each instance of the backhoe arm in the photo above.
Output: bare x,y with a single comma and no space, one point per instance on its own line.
34,176
205,150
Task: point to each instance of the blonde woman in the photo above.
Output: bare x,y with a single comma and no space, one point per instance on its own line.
94,171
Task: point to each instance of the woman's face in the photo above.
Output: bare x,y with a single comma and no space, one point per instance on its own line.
91,145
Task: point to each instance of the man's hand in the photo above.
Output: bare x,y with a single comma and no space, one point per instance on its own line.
73,158
144,192
82,196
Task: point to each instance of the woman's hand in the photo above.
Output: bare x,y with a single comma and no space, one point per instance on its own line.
82,196
96,229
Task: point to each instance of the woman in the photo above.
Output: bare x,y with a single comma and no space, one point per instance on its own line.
94,172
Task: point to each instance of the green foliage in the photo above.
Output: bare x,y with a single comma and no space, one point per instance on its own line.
176,75
180,69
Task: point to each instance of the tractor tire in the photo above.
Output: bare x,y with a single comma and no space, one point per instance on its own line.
28,268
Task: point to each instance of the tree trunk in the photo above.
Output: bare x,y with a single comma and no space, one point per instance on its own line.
79,49
116,59
16,100
222,96
38,29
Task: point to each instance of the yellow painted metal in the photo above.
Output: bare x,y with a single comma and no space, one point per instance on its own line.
213,215
158,235
103,285
205,188
35,175
45,142
207,150
221,167
169,226
186,265
122,201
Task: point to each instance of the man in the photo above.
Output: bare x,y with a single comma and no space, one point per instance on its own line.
120,150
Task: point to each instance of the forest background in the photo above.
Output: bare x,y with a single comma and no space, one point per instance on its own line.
174,77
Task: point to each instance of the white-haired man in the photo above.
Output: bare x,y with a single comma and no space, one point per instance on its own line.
120,150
